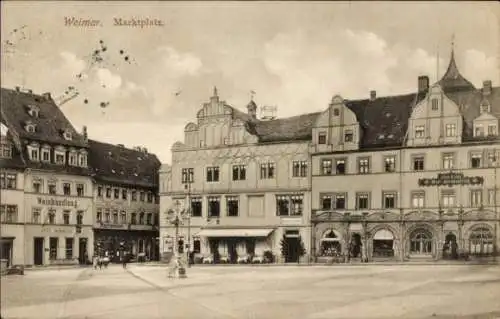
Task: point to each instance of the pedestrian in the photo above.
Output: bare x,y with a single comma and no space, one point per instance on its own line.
124,261
174,265
95,261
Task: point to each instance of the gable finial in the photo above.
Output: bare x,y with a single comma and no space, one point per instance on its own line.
215,91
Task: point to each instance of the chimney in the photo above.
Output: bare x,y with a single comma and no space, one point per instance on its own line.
18,89
423,83
85,136
144,150
373,95
120,145
30,91
487,87
47,96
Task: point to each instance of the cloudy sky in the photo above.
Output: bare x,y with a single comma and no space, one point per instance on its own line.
294,55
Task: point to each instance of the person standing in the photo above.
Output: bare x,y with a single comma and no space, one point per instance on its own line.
124,260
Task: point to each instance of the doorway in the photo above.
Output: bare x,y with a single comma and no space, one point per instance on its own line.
82,251
291,246
450,247
356,245
6,251
38,250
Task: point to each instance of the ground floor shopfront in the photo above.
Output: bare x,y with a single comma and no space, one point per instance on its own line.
418,235
140,245
237,244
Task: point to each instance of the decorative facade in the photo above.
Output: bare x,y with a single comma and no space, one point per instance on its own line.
126,201
46,200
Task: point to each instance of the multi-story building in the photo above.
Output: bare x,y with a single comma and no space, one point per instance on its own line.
46,199
244,182
125,200
409,176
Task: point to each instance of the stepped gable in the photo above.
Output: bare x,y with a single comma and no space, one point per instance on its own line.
50,123
120,165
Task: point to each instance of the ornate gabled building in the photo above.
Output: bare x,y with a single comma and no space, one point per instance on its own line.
126,200
410,176
244,181
46,187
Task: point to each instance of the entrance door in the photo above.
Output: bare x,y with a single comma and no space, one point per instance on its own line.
82,251
6,251
231,249
292,249
38,250
450,247
356,246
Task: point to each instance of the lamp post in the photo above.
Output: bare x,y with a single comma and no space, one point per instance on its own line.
188,213
175,217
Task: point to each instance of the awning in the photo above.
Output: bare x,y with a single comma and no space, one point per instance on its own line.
383,234
235,232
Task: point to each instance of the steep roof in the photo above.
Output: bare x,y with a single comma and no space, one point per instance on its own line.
453,80
50,123
116,164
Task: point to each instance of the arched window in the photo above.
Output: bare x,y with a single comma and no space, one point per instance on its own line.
481,242
330,244
421,242
383,243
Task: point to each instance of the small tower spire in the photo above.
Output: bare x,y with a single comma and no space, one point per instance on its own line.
215,91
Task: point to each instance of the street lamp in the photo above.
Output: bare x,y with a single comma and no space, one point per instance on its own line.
175,217
188,213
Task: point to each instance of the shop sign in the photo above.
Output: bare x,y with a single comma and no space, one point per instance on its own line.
57,230
55,202
451,179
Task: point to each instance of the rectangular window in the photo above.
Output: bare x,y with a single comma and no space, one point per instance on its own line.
79,217
80,190
149,219
115,217
326,167
141,218
133,218
478,130
36,214
37,187
362,201
99,191
267,170
389,200
435,104
196,207
326,202
69,248
232,206
5,149
390,164
418,199
46,155
451,130
448,198
108,192
72,159
196,245
448,161
117,193
492,130
142,196
340,166
299,168
363,165
51,216
340,201
322,138
418,163
213,206
419,131
59,159
289,205
213,174
66,217
150,197
348,136
476,197
53,243
8,181
10,213
67,189
123,217
134,196
475,160
187,175
239,172
107,216
491,197
124,194
99,215
34,155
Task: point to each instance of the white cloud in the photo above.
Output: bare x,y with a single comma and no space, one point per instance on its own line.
180,64
108,80
478,67
72,63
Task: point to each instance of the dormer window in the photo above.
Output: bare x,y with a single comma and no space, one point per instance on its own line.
349,136
67,135
435,104
485,107
46,154
82,159
479,131
5,149
60,156
34,155
492,130
336,112
73,158
33,110
30,127
322,138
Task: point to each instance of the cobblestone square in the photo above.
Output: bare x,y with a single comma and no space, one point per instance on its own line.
367,291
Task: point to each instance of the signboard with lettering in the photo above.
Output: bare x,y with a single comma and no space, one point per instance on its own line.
56,202
451,179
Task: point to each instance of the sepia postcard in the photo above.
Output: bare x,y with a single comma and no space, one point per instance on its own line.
250,160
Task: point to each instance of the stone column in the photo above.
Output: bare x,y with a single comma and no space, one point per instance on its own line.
402,241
